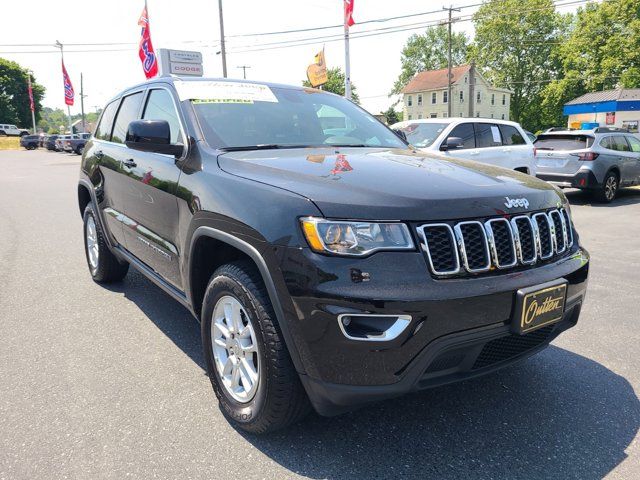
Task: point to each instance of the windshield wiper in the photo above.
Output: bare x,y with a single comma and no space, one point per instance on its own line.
262,146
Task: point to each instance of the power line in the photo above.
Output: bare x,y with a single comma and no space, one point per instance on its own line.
314,40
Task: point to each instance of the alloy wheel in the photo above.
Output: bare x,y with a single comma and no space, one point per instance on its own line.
235,351
93,251
610,187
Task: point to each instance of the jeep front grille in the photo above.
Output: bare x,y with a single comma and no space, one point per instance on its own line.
497,243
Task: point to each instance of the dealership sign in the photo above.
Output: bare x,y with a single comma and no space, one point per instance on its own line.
611,118
180,62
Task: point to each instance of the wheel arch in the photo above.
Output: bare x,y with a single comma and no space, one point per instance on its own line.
211,248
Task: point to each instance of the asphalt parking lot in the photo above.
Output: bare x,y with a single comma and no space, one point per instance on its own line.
109,382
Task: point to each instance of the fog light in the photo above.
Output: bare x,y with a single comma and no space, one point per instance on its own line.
372,328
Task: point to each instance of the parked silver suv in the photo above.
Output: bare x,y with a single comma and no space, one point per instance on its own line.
601,160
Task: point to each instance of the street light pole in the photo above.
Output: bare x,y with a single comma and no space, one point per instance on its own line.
222,46
450,22
61,47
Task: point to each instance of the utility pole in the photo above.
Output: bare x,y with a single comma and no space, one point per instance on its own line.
61,47
222,47
244,70
84,126
449,23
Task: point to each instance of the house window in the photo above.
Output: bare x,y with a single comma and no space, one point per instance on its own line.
504,99
410,117
409,101
445,97
478,100
461,96
419,115
477,114
445,115
434,98
503,116
493,99
434,115
492,115
461,114
419,99
466,79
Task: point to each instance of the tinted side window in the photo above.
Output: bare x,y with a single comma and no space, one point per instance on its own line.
103,132
511,136
160,106
466,133
607,142
621,144
487,135
127,113
635,144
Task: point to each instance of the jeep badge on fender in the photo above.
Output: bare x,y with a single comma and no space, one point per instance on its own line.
329,263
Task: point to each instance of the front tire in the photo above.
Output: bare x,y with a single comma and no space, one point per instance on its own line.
249,366
103,265
609,189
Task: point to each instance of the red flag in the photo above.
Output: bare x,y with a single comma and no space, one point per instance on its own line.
31,104
145,51
348,13
68,88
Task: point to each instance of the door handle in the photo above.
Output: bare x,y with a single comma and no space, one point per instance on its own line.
130,163
99,154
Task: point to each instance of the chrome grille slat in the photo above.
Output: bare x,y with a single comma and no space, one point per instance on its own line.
498,243
476,260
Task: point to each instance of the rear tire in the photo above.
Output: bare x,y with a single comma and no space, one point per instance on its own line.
103,265
609,188
279,399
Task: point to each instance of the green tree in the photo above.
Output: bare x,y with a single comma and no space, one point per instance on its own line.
515,48
391,116
335,84
602,51
14,95
429,52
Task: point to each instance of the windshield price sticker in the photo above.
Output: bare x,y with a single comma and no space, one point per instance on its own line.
225,92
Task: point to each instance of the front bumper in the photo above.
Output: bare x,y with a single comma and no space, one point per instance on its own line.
459,327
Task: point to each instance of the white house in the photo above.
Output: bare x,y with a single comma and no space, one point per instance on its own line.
426,95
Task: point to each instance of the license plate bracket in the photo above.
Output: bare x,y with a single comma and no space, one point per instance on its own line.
539,306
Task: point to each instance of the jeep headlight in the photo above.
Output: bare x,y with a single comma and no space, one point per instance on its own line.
352,238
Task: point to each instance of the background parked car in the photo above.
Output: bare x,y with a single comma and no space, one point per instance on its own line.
42,140
30,142
60,142
496,142
8,130
50,142
76,143
600,160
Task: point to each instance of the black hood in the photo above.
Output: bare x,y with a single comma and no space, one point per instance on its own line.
383,184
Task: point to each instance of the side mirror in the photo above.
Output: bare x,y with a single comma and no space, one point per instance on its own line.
452,144
401,134
152,136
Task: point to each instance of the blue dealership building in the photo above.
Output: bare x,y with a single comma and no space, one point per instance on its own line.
614,108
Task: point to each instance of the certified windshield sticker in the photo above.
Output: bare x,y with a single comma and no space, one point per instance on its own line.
224,92
219,100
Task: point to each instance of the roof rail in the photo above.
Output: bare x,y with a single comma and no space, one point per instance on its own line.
610,129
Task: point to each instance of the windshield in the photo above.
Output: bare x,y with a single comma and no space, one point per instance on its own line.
563,142
422,135
291,118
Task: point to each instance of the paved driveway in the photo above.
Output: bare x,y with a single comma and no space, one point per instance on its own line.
109,383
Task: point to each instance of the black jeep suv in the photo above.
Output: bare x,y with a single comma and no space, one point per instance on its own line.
328,262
